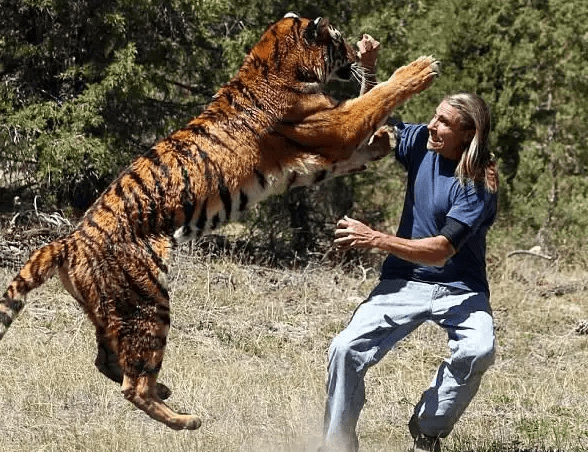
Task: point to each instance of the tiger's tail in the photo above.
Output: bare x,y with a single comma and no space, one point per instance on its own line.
42,264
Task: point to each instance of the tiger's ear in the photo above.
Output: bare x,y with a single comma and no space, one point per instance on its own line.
318,31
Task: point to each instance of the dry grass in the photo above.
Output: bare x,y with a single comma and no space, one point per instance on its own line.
247,352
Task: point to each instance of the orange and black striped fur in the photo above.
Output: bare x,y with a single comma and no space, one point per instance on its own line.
269,128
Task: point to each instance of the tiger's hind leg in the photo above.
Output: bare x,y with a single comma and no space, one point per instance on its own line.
137,328
139,384
107,363
141,339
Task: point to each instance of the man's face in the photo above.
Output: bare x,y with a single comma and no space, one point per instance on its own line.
445,134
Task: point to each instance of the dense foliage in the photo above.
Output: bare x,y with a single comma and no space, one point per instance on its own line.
86,85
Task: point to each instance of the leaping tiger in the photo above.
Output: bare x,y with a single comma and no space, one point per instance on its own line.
269,128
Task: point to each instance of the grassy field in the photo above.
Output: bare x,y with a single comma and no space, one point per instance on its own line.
247,352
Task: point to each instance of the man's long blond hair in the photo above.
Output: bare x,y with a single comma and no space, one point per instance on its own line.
477,163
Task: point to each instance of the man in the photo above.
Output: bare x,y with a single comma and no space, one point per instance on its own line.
435,271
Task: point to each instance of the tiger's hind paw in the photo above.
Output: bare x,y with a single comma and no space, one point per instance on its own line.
184,422
193,423
142,392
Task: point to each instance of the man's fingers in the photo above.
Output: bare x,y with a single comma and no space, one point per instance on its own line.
343,244
367,43
346,232
344,222
342,241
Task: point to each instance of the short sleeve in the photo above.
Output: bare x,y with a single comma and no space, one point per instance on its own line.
472,206
411,138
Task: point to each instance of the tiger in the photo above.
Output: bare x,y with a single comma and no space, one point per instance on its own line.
271,127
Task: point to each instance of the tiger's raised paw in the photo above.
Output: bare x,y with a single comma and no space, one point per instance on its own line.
379,146
417,75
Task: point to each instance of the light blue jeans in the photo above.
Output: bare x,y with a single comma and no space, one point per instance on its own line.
393,310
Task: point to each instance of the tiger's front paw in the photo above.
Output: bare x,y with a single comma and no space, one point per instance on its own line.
382,142
417,75
379,146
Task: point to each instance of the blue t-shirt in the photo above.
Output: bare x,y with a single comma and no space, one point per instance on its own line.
433,194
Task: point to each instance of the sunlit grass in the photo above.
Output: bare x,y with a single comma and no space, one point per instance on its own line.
247,353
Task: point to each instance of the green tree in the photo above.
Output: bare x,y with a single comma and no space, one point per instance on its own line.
89,84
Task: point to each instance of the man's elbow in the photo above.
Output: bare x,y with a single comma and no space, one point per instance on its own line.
443,252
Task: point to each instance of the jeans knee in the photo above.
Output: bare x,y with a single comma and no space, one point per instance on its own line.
345,355
340,348
474,361
484,357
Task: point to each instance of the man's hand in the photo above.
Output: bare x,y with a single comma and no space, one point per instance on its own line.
351,233
368,52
